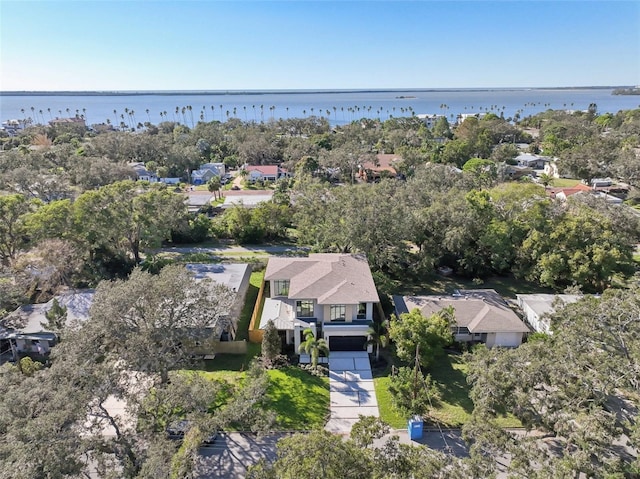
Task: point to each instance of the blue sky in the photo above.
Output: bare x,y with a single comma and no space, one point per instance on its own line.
238,45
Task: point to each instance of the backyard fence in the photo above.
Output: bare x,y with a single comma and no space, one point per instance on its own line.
255,333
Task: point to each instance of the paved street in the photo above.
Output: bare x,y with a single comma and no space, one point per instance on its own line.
233,453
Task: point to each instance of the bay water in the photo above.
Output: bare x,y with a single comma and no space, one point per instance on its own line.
339,107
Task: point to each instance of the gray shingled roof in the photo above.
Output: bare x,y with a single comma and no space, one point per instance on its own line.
481,311
329,278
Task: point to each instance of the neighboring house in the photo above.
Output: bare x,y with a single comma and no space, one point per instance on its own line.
76,120
463,116
564,193
331,294
142,173
23,332
265,173
481,316
207,171
13,127
384,166
601,182
236,277
532,161
538,307
613,200
430,120
551,169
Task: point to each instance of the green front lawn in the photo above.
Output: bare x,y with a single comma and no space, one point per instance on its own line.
299,399
563,183
449,372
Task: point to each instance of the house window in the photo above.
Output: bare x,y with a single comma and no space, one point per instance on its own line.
337,312
304,308
281,287
362,311
460,330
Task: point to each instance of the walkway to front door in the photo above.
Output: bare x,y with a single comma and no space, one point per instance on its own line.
351,390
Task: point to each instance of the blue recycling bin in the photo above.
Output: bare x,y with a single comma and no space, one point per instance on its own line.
415,428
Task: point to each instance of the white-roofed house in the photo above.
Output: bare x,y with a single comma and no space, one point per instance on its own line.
331,294
233,275
481,315
24,333
538,307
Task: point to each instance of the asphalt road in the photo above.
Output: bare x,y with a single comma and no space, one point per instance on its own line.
233,453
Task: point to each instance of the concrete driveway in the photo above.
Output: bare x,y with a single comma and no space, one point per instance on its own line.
351,390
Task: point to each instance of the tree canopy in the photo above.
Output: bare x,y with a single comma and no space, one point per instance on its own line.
577,386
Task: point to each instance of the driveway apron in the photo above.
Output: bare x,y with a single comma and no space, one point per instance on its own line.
351,390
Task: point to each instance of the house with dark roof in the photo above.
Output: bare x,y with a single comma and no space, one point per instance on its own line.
207,171
331,294
481,316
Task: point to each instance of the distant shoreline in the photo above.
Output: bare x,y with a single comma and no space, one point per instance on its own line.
283,92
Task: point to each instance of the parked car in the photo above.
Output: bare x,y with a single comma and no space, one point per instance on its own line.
177,430
235,187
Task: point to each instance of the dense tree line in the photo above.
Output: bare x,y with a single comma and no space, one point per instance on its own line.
586,143
438,218
101,234
574,391
53,420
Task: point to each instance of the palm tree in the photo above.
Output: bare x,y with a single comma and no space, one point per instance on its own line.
545,179
379,336
313,347
214,186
